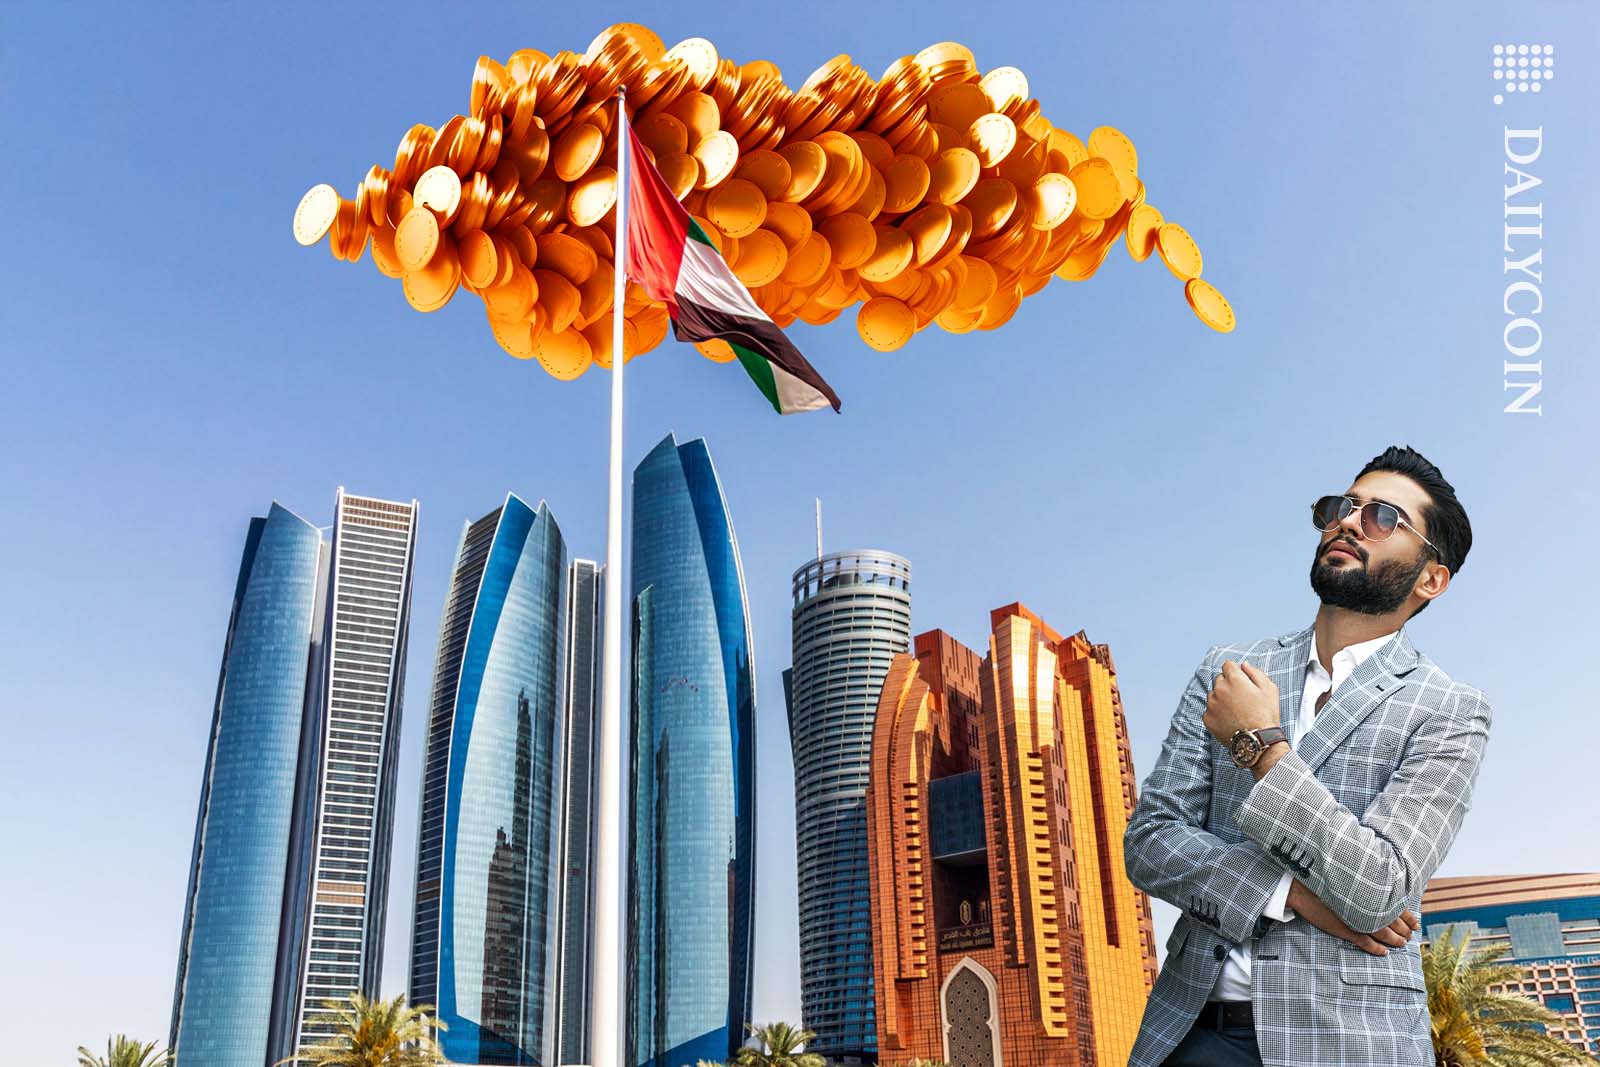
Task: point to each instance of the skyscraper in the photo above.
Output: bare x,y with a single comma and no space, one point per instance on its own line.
339,874
290,868
691,814
232,918
1006,930
851,617
1551,923
487,920
580,755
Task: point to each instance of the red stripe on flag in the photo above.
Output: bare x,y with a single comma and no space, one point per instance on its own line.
658,226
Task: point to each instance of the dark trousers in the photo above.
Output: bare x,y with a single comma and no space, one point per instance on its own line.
1233,1046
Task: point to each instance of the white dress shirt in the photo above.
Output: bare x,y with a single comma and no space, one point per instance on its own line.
1234,981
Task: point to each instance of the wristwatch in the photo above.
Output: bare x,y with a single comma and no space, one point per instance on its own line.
1248,745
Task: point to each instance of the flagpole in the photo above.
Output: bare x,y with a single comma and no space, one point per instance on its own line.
605,1026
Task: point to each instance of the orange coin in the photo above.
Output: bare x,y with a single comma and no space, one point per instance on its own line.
789,221
383,253
513,299
807,164
929,228
480,262
664,134
680,171
809,263
762,257
767,170
851,237
1099,192
1178,250
593,196
564,254
737,207
991,202
599,333
958,104
564,353
431,288
716,350
891,255
953,174
1143,222
885,323
1054,197
559,297
651,324
576,150
1113,146
416,239
717,154
315,213
905,182
977,285
992,136
514,335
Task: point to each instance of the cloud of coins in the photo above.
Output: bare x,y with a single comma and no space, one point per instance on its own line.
936,194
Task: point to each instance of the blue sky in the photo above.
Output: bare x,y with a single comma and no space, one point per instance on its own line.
171,361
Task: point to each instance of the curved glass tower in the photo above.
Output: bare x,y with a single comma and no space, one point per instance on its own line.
228,955
486,920
692,805
852,616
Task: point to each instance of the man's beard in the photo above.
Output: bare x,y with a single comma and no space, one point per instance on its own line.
1366,590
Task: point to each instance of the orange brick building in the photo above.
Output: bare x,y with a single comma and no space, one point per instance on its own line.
1005,931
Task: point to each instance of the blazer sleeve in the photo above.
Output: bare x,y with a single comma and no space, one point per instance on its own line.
1367,868
1167,851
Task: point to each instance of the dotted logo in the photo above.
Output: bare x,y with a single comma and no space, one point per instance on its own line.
1522,68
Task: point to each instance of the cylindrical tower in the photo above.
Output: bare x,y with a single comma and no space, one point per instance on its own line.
852,616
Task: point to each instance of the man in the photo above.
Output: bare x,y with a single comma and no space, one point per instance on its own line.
1307,790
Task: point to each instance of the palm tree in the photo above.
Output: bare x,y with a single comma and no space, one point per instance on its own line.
374,1033
1476,1026
777,1045
123,1051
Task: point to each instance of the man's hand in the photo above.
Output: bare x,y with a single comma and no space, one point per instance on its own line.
1309,907
1242,698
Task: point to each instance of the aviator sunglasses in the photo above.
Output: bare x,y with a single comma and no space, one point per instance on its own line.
1378,519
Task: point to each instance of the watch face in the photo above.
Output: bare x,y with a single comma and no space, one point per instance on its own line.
1244,748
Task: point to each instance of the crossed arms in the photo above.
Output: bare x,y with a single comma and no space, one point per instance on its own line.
1364,869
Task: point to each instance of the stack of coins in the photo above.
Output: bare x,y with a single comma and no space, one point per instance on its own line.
937,194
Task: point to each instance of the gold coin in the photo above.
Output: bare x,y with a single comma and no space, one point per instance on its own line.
513,299
790,222
698,113
559,297
564,353
807,164
762,257
1143,222
717,152
953,174
698,56
598,334
315,213
1099,194
1178,250
905,182
593,196
759,68
1113,145
991,202
595,296
950,136
514,335
576,150
928,227
998,311
644,39
680,171
870,203
768,170
1054,197
525,244
1071,151
716,350
958,104
1211,306
416,239
569,257
651,324
737,207
1026,164
977,286
876,150
809,263
885,323
431,288
480,263
852,238
663,133
383,253
891,255
958,320
946,54
1004,86
992,136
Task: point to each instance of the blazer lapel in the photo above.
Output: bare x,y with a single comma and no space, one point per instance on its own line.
1288,673
1368,686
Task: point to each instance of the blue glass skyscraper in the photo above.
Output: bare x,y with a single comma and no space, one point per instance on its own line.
691,811
233,917
486,926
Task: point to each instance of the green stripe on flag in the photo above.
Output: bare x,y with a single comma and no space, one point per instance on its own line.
760,372
696,233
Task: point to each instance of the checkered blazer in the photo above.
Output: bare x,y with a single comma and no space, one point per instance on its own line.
1362,812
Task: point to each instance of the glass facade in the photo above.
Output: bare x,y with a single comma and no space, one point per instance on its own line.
851,617
486,920
691,810
228,955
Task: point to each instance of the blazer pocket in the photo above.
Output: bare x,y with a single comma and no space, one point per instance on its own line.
1382,970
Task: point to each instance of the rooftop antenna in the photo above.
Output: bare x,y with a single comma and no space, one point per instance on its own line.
819,526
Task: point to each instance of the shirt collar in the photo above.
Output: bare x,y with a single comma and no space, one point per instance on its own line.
1354,655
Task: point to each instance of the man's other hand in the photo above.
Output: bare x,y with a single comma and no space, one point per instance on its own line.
1308,906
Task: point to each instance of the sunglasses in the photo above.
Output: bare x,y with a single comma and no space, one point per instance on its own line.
1378,520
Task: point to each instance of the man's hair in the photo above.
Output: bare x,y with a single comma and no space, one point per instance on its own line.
1443,515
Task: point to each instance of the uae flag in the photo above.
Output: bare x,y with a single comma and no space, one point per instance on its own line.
676,263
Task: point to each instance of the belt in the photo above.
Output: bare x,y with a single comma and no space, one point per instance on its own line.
1225,1014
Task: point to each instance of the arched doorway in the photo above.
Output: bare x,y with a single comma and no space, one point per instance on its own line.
970,1004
